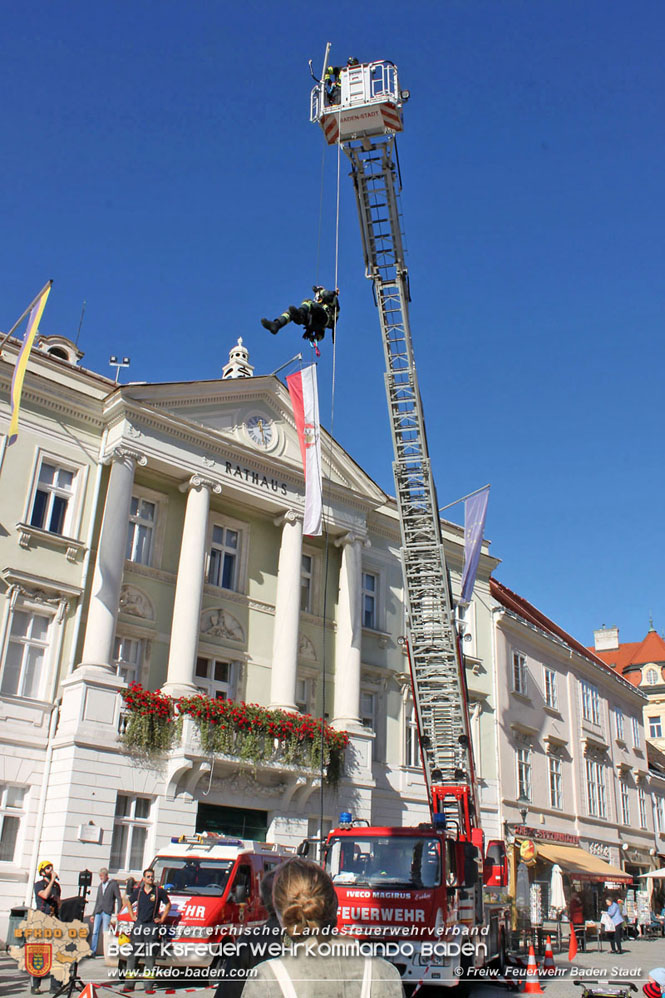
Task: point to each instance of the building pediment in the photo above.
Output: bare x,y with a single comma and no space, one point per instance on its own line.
245,416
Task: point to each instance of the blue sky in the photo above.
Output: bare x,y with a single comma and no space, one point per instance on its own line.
159,163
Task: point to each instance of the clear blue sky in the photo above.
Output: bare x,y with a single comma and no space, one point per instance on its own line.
158,162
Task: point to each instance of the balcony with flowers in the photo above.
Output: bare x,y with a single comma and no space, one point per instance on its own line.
198,726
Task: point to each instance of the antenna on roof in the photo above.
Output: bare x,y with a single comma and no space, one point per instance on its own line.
76,341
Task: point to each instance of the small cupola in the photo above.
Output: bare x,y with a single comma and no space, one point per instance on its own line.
61,348
238,365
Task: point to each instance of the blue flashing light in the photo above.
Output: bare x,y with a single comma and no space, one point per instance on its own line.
440,822
345,818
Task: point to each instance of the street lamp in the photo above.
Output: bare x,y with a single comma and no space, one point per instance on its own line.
523,813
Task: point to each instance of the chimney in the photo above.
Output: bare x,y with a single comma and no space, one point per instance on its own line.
606,638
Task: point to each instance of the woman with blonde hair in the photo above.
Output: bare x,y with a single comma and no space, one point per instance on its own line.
318,962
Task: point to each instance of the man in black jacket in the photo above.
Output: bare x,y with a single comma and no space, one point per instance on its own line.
146,939
47,899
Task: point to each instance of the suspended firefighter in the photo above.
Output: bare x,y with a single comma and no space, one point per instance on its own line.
315,314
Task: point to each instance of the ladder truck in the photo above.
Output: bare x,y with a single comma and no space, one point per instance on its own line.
436,890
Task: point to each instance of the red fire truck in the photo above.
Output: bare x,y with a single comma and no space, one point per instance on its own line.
436,890
213,885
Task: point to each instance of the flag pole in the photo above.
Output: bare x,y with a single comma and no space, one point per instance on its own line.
298,356
27,311
467,496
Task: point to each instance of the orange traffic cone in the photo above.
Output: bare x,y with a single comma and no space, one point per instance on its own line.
531,982
549,967
88,991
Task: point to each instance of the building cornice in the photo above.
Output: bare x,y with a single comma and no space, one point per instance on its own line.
565,651
38,391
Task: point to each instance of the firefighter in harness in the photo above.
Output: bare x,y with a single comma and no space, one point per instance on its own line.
316,314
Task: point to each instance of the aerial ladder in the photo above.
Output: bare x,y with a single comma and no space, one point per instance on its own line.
364,119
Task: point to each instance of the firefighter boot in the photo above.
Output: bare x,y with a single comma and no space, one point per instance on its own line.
275,325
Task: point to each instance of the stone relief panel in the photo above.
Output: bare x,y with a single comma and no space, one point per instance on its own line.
306,649
245,784
135,603
219,623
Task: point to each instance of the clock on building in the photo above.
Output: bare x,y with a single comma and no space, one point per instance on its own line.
260,430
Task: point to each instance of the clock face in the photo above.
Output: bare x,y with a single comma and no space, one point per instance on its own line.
260,430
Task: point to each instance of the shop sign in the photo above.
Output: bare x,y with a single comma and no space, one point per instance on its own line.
599,849
540,835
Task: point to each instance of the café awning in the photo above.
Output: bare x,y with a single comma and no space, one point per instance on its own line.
654,874
580,864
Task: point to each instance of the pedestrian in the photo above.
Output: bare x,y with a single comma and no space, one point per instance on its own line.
655,985
47,899
315,314
317,963
615,913
108,895
146,931
251,946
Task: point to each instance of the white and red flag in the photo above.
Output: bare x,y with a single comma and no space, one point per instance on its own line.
305,400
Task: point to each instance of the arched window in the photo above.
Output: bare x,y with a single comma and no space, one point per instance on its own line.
651,677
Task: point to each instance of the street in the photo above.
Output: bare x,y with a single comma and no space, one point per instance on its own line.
589,968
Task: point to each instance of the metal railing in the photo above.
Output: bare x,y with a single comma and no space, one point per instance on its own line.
368,83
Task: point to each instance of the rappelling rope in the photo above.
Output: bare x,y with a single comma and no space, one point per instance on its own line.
318,241
327,534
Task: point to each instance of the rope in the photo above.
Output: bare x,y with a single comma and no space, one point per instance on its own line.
318,240
326,559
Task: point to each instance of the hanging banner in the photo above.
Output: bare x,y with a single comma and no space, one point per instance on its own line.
475,510
22,361
305,400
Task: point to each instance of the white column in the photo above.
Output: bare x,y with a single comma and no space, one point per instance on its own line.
107,579
287,614
185,625
349,633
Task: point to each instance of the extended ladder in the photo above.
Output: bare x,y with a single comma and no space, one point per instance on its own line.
364,123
